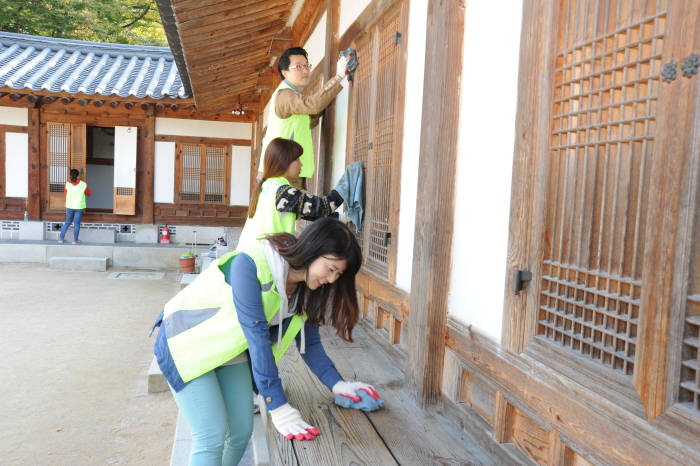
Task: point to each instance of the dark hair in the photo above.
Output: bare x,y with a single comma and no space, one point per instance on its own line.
324,237
283,62
74,173
279,155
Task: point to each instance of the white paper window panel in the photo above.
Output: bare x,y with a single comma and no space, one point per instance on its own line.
204,129
164,172
16,164
125,156
240,175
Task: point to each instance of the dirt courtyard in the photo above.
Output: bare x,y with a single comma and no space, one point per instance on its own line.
74,359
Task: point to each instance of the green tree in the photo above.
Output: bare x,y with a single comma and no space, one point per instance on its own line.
119,21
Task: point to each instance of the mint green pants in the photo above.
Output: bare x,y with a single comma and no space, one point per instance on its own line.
218,407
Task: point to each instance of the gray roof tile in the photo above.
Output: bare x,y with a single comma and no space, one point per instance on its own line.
74,66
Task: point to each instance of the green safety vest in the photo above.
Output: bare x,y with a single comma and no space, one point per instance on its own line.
75,195
201,323
297,127
267,219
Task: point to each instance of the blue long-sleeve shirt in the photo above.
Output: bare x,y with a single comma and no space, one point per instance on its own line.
247,297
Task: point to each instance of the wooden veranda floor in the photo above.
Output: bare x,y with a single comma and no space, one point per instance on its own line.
399,433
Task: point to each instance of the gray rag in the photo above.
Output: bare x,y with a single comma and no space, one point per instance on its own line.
350,189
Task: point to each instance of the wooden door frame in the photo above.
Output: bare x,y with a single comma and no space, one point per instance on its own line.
72,114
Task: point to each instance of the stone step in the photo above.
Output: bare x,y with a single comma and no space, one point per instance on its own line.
91,235
156,379
87,264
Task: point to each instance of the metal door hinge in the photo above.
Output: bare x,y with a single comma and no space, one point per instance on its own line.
387,238
519,279
397,37
370,145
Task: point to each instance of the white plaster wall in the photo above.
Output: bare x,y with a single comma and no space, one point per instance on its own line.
340,133
315,46
486,136
411,140
351,9
164,172
16,164
205,129
14,116
240,175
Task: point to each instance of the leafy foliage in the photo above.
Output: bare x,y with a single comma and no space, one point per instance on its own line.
118,21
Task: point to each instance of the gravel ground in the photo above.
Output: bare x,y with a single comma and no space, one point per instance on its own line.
74,358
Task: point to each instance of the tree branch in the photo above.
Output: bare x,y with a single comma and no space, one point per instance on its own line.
148,7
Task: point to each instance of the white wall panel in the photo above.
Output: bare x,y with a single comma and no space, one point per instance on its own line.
484,165
203,128
164,172
240,175
14,116
351,9
316,45
16,164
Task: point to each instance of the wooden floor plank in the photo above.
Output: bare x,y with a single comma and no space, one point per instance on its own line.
414,436
347,437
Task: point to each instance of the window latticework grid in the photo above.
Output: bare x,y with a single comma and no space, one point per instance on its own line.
59,141
602,135
191,172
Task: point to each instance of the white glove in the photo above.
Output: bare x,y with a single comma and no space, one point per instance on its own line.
289,423
349,389
342,69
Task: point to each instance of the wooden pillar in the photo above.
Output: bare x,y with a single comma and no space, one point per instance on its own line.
325,159
255,149
149,132
430,280
33,193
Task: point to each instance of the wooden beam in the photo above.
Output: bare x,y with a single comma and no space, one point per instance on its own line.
34,183
430,280
202,140
149,132
281,42
325,158
307,20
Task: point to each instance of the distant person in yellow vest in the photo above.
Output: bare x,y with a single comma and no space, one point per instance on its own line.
240,316
293,114
75,191
275,204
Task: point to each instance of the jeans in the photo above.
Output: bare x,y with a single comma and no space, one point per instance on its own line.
72,216
218,406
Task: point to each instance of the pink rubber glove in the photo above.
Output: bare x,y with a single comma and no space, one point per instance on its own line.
349,389
289,423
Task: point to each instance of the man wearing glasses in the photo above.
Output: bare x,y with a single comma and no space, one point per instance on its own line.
293,114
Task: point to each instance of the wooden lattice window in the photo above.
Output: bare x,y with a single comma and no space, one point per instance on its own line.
375,138
203,173
603,127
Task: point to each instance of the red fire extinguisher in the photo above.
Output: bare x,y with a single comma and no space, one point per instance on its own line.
165,235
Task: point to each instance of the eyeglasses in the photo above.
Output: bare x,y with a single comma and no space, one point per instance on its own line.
301,67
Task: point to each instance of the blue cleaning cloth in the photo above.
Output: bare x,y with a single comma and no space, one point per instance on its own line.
350,188
366,403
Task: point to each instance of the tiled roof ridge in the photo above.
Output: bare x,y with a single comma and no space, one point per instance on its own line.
84,45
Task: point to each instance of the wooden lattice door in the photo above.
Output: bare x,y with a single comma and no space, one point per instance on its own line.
203,173
65,150
612,208
374,138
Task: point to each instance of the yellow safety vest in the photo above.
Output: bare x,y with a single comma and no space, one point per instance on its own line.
267,219
297,127
201,324
75,195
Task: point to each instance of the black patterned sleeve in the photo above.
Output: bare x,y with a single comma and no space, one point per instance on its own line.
304,205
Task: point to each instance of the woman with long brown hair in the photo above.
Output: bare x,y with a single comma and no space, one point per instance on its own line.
275,204
274,291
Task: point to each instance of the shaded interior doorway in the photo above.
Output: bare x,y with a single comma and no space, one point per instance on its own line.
100,168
